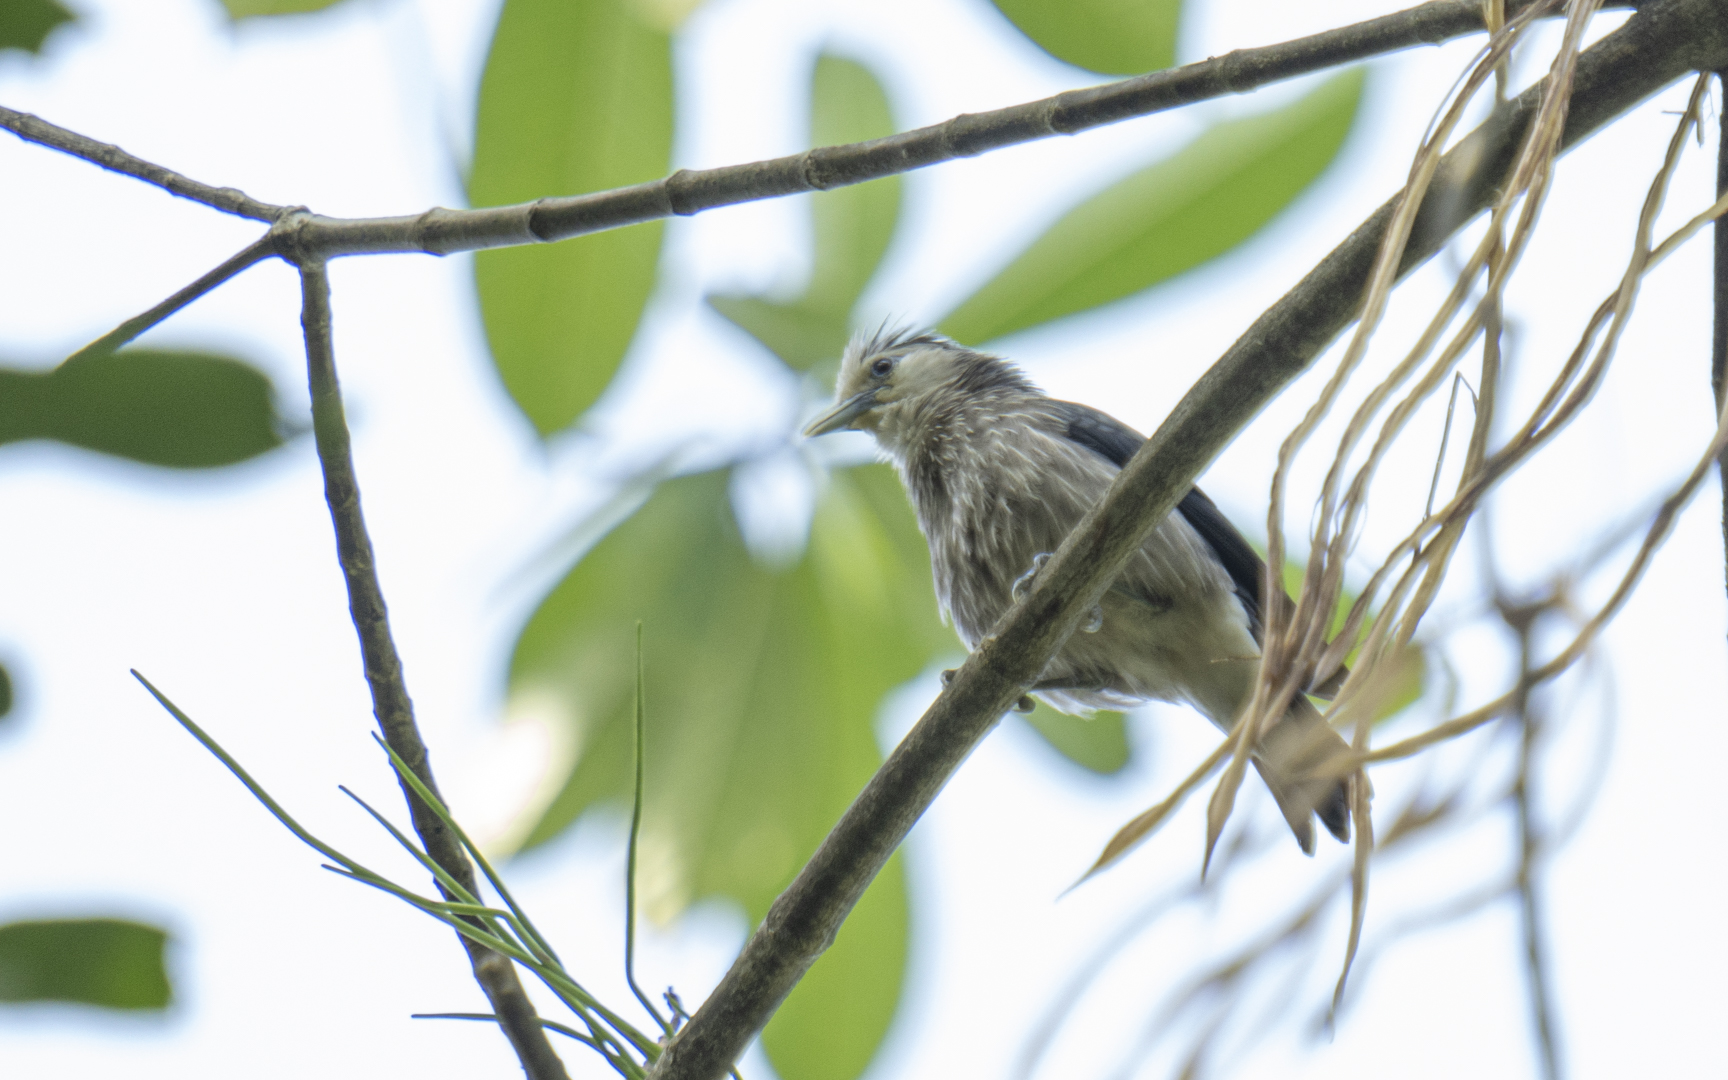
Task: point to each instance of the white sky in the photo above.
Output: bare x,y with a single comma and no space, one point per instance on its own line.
222,590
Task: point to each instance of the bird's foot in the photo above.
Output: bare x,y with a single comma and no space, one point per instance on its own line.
1023,583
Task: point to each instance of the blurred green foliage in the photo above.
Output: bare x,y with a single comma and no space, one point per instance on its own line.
576,97
851,228
26,24
1166,218
249,9
181,409
1097,743
763,681
111,963
762,685
1111,37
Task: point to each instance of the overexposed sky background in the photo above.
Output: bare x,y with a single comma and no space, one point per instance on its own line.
221,587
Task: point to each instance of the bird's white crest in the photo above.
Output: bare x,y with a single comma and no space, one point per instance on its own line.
888,379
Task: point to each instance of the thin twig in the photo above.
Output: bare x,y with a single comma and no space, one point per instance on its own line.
1217,981
1571,390
1302,647
1445,438
1131,835
1719,347
1531,847
390,702
1528,186
1296,635
630,850
1068,998
439,231
550,1025
250,255
1660,526
460,910
111,157
1659,44
533,951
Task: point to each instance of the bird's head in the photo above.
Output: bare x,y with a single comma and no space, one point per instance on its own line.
892,376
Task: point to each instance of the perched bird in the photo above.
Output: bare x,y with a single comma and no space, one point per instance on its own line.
999,474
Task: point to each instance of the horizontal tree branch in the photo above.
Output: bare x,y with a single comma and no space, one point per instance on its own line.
301,236
1662,42
304,235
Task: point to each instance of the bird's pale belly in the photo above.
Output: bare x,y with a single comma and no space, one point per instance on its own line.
1199,653
1195,649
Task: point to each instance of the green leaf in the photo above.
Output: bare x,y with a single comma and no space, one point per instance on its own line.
6,697
576,97
1111,37
1098,743
762,689
26,24
1409,679
251,9
1166,218
181,409
108,962
830,1026
851,227
799,334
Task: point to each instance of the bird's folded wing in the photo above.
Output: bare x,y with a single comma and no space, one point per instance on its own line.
1116,442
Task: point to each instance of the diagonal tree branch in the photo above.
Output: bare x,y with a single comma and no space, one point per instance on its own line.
390,703
440,232
252,254
111,157
1666,39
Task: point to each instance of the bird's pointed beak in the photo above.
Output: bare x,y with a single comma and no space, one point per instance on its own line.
841,416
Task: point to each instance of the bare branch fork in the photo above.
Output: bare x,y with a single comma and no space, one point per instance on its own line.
1663,41
440,231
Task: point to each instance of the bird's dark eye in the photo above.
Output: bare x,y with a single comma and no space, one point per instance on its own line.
882,367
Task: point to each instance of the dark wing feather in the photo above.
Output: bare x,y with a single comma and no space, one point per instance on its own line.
1117,442
1244,564
1099,432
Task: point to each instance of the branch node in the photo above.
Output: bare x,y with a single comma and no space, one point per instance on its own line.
288,237
436,227
680,193
809,170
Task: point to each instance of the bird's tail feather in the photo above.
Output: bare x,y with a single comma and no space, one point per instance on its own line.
1298,759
